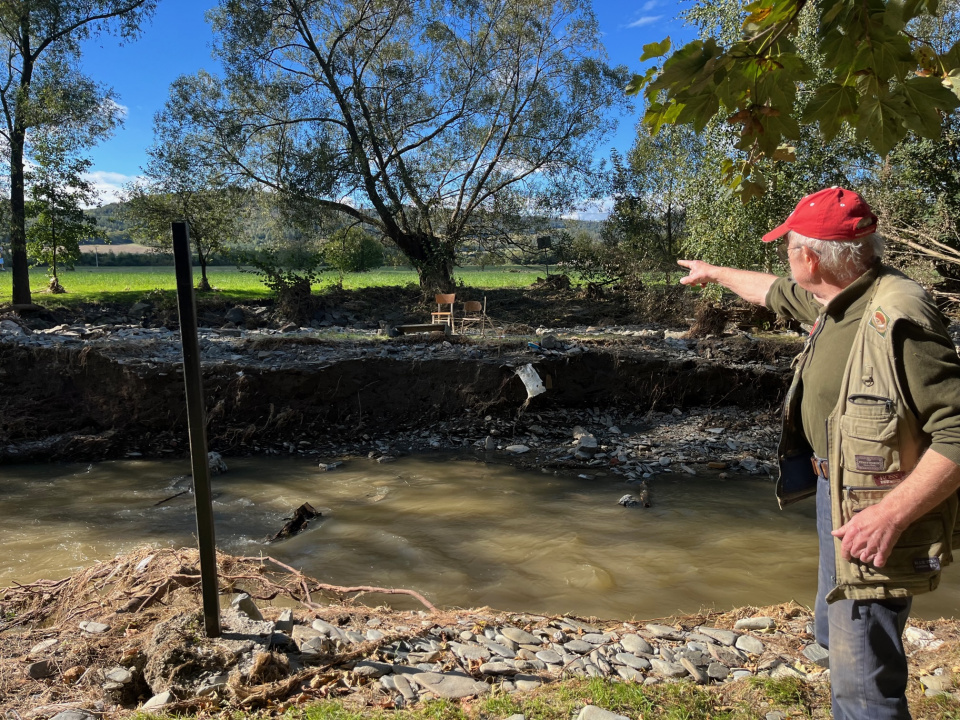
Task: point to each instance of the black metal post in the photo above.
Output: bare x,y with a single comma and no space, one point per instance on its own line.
197,425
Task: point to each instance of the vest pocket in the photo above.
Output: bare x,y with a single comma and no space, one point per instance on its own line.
920,551
869,441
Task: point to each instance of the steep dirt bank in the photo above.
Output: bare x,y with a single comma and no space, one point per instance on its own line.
96,400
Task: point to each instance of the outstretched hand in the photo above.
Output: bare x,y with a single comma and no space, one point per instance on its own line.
700,273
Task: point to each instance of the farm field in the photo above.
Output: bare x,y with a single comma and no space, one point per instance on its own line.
87,284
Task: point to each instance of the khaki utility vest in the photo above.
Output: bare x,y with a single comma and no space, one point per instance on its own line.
874,441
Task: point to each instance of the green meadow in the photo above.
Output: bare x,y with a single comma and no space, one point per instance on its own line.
121,284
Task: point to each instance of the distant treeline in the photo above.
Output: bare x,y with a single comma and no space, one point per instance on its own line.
145,259
113,221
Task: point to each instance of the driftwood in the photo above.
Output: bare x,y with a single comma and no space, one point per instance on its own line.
298,523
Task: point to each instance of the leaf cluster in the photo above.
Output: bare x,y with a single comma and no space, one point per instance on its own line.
881,80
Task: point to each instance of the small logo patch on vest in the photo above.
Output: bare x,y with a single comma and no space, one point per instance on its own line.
929,564
889,479
879,321
870,463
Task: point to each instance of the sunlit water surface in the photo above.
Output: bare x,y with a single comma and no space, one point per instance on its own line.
461,532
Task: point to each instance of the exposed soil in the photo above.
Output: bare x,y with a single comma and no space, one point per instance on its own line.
98,397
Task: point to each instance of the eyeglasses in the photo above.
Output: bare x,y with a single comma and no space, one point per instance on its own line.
783,251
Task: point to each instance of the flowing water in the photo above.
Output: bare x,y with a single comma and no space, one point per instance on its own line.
461,532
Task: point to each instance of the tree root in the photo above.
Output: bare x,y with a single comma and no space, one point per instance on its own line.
302,579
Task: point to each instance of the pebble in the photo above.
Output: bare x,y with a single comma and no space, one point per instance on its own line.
94,628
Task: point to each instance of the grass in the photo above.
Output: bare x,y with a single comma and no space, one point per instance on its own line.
128,284
560,701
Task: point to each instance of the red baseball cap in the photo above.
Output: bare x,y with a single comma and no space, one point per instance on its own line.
830,214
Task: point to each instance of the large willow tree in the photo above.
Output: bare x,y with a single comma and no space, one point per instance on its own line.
418,118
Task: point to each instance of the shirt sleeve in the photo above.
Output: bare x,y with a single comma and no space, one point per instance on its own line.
930,373
787,298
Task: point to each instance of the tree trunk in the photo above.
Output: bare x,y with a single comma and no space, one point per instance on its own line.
433,259
204,284
18,220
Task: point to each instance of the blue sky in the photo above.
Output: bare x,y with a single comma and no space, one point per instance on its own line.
178,41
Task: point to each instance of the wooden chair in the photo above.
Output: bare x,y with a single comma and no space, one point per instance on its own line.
475,313
444,313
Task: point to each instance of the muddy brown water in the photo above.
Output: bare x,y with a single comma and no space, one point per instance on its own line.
461,532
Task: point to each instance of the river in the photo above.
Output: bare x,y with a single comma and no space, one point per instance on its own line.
461,532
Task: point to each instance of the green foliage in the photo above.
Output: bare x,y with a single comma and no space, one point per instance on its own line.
182,183
58,191
42,86
882,80
425,122
352,250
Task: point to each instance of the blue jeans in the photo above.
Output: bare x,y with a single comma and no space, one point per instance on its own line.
868,667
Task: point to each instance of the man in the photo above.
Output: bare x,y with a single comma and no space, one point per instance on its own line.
872,427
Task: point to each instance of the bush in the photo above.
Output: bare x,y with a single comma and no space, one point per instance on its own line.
352,250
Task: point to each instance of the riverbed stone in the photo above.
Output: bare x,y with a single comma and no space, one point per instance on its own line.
372,668
717,671
579,647
521,637
41,647
667,669
636,644
750,644
527,682
755,623
722,636
630,674
284,621
592,712
498,668
94,628
698,674
633,661
731,657
244,603
551,657
664,632
597,638
498,649
817,654
74,715
42,669
450,686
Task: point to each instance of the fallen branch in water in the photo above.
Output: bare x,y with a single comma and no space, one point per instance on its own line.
342,590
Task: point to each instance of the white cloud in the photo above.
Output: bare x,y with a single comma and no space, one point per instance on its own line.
645,20
108,184
649,5
598,210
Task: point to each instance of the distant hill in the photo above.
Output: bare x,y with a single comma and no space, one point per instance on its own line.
110,219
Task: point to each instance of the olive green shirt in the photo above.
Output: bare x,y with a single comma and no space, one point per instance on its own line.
927,363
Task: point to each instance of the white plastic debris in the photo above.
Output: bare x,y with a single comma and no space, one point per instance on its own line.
531,380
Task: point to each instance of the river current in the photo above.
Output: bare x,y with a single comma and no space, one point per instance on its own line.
461,532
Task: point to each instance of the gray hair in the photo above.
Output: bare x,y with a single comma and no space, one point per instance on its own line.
846,260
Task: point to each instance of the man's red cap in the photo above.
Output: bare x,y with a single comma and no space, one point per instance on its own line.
830,214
